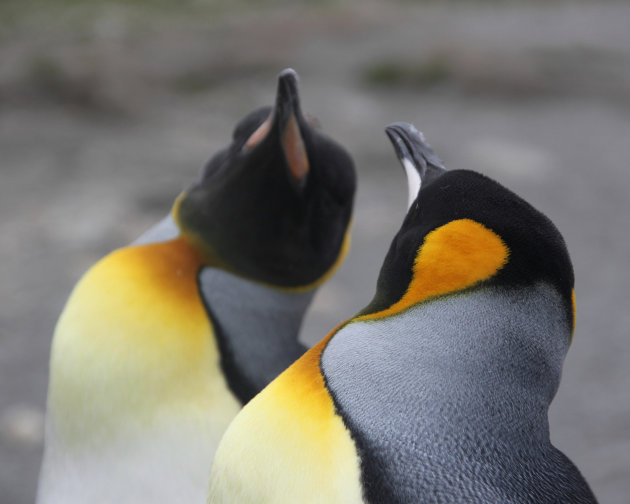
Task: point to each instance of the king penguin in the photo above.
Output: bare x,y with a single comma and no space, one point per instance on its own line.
437,392
162,342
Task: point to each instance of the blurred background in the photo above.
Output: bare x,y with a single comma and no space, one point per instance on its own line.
109,109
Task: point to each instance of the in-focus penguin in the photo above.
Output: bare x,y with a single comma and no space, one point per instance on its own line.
437,392
163,341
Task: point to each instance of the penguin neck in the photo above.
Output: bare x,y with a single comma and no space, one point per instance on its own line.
511,338
484,359
137,399
256,327
135,330
500,348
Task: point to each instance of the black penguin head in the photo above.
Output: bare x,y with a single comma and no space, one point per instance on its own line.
274,206
464,229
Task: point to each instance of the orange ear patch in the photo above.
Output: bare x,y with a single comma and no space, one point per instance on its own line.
453,257
294,150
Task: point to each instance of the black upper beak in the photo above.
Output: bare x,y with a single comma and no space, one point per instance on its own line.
287,96
416,156
287,120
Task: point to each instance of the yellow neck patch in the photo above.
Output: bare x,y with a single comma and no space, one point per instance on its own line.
134,338
453,257
314,457
304,379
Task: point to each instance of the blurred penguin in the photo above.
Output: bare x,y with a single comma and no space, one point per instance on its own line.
163,341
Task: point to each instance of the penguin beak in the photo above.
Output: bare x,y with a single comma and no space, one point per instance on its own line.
286,119
416,156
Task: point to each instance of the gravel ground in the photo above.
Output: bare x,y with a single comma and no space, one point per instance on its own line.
106,114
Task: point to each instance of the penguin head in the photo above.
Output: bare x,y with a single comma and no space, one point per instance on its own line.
464,230
274,206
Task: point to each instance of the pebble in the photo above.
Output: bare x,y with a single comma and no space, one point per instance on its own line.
22,425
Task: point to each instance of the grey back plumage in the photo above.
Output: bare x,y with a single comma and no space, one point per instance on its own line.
447,401
256,328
